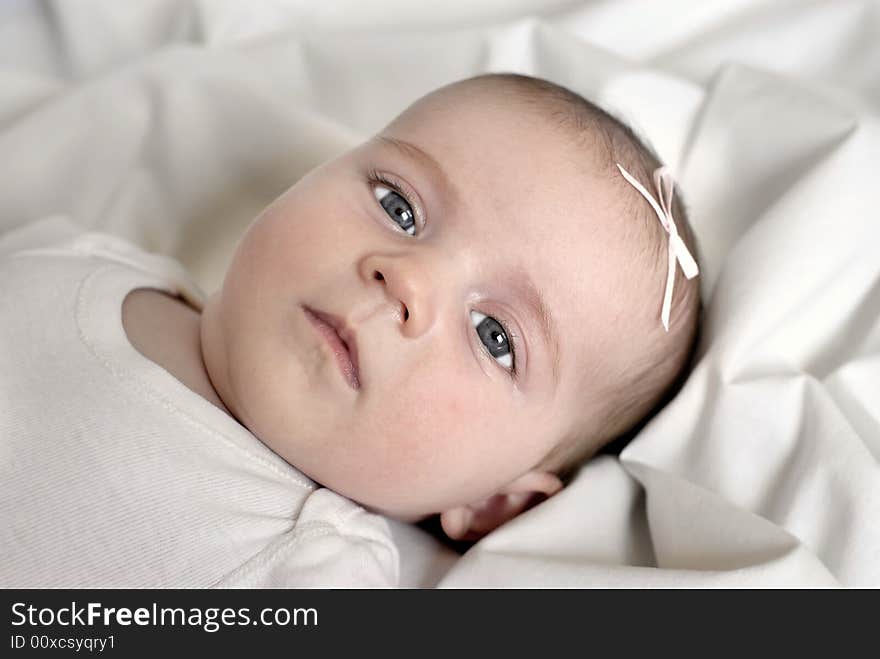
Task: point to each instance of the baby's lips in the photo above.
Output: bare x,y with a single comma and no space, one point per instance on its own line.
347,337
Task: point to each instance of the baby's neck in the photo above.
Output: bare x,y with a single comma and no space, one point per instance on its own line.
166,330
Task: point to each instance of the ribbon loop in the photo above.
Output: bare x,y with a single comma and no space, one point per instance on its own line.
678,251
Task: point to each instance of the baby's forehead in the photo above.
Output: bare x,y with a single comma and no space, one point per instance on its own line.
507,160
507,154
486,111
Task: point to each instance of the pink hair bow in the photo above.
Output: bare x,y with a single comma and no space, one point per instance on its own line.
665,184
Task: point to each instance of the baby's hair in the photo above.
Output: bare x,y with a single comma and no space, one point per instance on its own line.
662,363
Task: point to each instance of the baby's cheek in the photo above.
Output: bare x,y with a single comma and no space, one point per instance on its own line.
445,428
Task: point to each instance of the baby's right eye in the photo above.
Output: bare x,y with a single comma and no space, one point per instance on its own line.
397,208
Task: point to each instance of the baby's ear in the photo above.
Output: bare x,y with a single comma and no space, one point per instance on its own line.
473,521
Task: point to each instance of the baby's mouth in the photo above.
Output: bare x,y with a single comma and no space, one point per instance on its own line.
342,342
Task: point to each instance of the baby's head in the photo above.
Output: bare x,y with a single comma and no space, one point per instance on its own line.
498,284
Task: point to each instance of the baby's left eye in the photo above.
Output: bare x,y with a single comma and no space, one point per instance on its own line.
397,207
493,336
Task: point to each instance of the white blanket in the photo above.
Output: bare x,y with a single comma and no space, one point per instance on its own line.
173,123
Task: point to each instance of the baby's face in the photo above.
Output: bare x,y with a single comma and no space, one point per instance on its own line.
473,329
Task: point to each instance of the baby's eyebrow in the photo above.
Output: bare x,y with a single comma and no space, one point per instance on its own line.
540,312
417,153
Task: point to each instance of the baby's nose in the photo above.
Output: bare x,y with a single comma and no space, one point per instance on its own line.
406,286
378,276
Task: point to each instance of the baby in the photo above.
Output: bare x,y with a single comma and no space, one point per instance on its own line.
450,318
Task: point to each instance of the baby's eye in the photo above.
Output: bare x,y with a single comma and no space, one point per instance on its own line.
493,336
397,208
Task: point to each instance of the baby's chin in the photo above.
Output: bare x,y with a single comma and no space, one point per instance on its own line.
409,512
405,517
397,504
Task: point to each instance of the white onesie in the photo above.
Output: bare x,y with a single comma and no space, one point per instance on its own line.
115,474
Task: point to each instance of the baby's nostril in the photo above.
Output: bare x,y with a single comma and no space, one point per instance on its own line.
378,276
405,313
